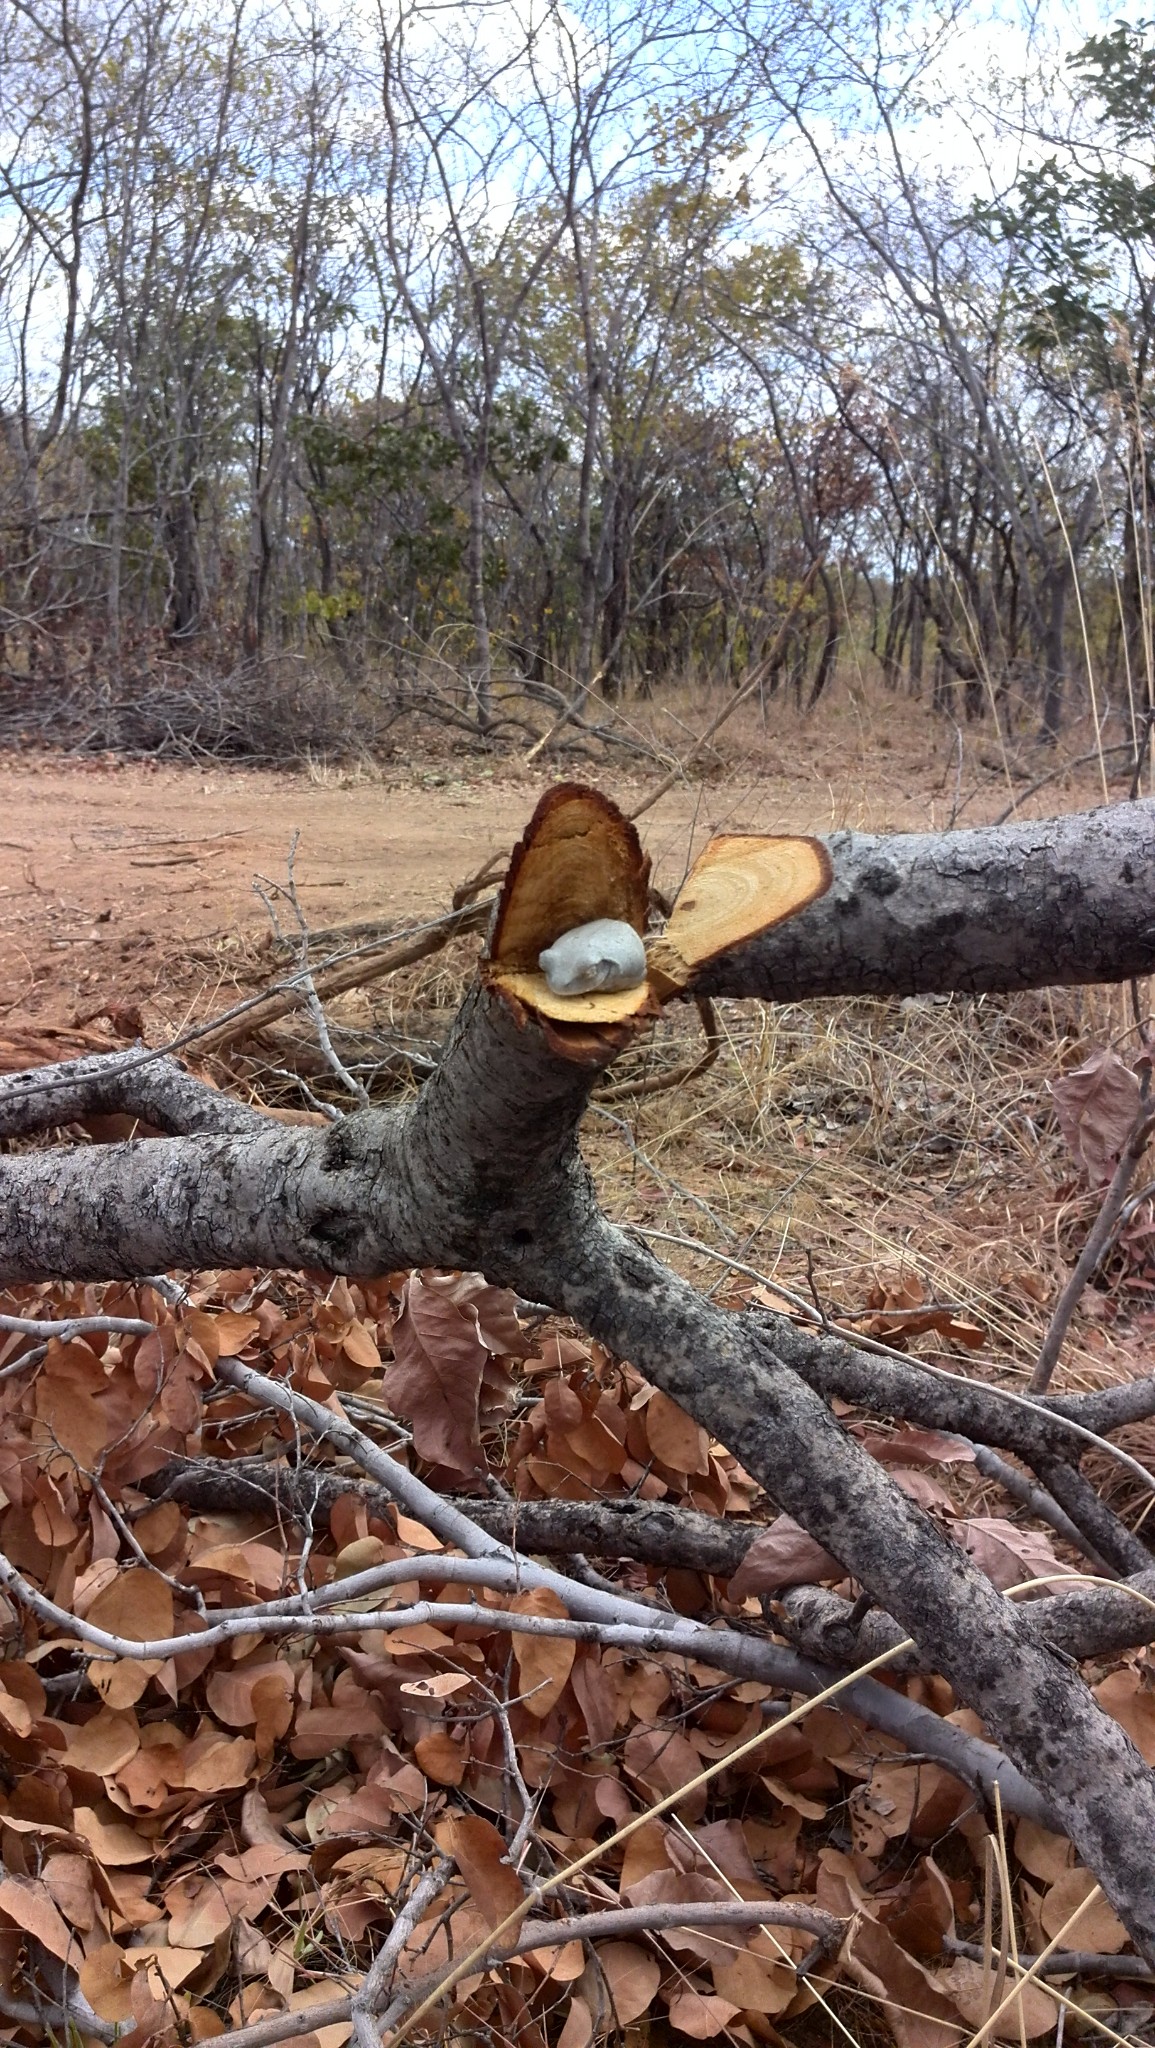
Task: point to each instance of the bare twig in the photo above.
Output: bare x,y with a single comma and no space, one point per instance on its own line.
1064,1962
367,963
1097,1241
68,1327
679,1077
313,1003
377,1982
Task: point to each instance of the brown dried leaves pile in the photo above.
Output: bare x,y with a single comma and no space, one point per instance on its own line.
229,1832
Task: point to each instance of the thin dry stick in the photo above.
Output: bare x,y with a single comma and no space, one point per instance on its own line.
378,1979
1097,754
764,668
68,1327
370,963
657,1084
1066,1962
1082,617
1097,1242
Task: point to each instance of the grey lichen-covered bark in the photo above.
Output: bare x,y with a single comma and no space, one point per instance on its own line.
483,1171
997,907
1091,1621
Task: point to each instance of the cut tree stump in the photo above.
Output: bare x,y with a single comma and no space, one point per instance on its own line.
581,860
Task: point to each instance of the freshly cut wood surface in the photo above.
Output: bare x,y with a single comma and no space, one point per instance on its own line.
739,886
579,859
599,1006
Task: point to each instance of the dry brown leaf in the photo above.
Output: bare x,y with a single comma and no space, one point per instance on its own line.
632,1975
106,1981
882,1809
256,1568
1008,1554
198,1911
215,1763
441,1684
28,1903
273,1705
15,1713
700,2014
758,1983
783,1556
360,1346
231,1693
496,1312
1096,1106
112,1842
1097,1929
784,1793
318,1993
439,1358
1031,2014
544,1663
137,1605
122,1682
1045,1855
71,1417
578,2030
441,1758
564,1963
676,1440
69,1879
661,1760
1124,1696
919,2011
916,1447
479,1853
233,1331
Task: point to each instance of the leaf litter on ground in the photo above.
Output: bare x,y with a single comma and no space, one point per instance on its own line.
229,1833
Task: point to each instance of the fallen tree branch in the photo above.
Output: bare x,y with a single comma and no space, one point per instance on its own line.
482,1172
649,1532
378,1979
1036,1431
149,1085
1039,1503
68,1327
652,1532
1068,900
1089,1621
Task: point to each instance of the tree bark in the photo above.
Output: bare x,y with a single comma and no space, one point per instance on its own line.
482,1171
1066,900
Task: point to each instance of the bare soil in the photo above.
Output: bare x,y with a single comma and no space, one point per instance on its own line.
129,883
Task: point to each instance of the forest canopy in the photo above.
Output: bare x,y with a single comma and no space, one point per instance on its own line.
458,359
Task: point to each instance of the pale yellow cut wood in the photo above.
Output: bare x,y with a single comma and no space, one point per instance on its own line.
740,886
600,1006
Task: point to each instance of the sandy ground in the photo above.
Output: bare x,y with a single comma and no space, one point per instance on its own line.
127,883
